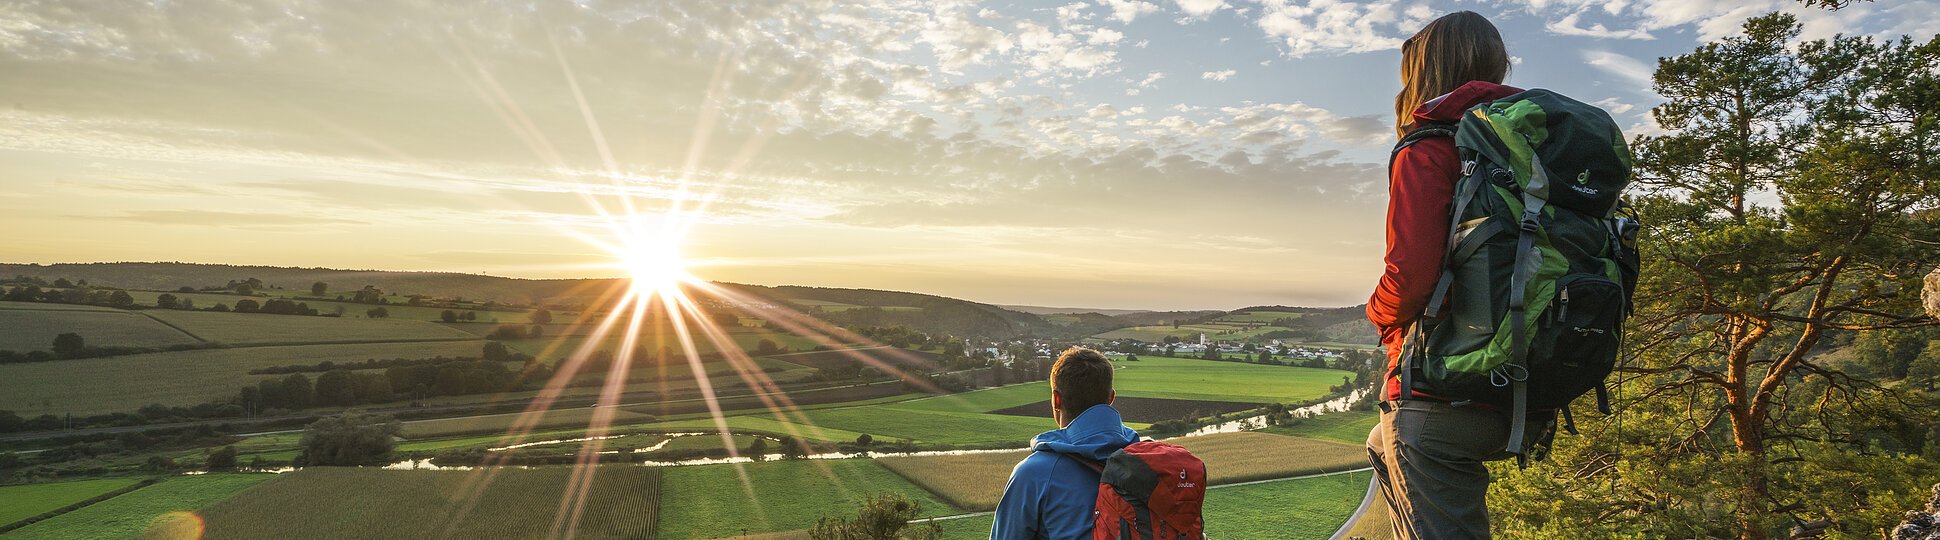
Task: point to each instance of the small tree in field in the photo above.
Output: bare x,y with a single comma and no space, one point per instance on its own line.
541,316
882,517
222,459
349,439
448,316
69,344
758,450
318,288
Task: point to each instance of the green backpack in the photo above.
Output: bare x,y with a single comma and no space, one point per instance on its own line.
1538,274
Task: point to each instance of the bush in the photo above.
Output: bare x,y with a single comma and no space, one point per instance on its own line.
349,439
222,459
882,517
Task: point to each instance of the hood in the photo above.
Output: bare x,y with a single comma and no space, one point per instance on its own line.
1095,433
1449,107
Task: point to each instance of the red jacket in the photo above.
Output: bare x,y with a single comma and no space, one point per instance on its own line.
1421,189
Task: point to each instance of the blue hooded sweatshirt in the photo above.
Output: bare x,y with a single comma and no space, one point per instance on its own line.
1052,495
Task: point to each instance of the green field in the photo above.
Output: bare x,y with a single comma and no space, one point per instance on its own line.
125,383
256,328
552,348
710,501
1349,427
985,400
932,426
34,329
1306,508
29,500
37,306
335,502
1179,378
130,514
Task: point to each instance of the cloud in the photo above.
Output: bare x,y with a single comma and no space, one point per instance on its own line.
1199,9
1339,27
1220,75
1614,106
1571,26
1635,73
1128,10
214,218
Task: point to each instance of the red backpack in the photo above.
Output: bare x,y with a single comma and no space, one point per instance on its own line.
1149,491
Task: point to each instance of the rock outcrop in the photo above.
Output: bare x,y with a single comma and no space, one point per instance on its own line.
1932,293
1923,524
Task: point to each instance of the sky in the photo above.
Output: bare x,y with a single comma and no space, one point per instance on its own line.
1161,154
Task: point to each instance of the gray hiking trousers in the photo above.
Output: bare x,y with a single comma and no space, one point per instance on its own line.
1428,457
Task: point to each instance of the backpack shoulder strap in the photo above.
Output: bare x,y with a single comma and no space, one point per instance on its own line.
1417,132
1095,465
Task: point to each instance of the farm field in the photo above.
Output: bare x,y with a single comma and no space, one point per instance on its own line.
1180,378
131,514
29,500
516,503
710,501
497,424
1260,316
37,306
125,383
1349,427
1305,508
34,329
934,427
1143,409
974,481
552,348
257,328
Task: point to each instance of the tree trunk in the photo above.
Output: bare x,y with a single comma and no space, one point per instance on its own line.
1747,431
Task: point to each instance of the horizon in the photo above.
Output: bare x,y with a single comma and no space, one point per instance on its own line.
481,274
1051,153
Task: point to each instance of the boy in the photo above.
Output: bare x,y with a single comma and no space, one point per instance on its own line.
1051,494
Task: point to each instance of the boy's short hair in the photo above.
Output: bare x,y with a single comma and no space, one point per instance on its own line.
1082,378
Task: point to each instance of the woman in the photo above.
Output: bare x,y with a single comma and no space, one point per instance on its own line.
1428,454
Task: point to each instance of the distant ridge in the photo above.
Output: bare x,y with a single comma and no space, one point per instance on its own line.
1042,310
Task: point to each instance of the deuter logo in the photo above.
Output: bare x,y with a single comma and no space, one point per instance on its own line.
1583,184
1182,479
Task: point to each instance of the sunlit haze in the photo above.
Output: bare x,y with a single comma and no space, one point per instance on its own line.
1119,154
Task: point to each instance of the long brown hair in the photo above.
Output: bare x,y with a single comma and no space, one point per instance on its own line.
1448,53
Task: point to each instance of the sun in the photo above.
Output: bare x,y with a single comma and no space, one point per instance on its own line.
654,263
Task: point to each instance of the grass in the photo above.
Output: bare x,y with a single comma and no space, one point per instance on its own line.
710,501
707,442
134,513
34,329
1349,427
1306,508
37,306
1375,524
553,348
334,502
29,500
495,424
933,426
975,481
257,328
125,383
1179,378
767,424
985,400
